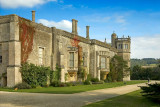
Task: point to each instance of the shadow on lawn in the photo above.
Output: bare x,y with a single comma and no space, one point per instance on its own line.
133,99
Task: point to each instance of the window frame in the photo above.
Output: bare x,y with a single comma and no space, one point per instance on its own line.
71,60
42,57
103,62
120,46
0,53
0,59
126,46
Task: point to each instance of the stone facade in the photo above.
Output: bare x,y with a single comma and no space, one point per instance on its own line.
53,46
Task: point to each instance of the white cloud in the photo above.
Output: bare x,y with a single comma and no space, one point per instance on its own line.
63,24
120,19
22,3
145,47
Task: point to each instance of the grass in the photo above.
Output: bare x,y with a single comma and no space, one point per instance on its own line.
133,99
73,89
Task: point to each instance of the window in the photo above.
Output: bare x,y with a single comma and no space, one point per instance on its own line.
103,62
0,59
119,46
41,52
0,53
125,46
71,59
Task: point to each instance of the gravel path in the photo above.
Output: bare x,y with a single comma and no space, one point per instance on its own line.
15,99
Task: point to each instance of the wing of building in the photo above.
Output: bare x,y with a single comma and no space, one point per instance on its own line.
22,40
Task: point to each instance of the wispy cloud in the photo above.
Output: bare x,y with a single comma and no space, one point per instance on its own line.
61,1
22,3
67,6
83,6
145,47
120,19
63,24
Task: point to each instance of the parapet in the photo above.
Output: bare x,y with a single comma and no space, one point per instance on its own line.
103,44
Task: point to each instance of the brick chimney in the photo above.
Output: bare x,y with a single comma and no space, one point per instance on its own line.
33,16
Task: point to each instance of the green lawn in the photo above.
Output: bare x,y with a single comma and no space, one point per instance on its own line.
133,99
73,89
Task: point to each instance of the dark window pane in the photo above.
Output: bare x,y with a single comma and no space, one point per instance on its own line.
71,60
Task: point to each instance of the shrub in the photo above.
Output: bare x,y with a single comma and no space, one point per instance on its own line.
87,82
94,80
68,84
152,91
62,84
89,77
22,86
56,84
36,75
100,82
108,79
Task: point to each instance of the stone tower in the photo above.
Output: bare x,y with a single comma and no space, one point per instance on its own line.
123,47
113,37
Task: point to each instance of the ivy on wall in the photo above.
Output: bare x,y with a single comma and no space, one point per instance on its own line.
82,73
26,35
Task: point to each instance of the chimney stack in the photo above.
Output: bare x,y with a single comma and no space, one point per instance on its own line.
33,16
74,26
76,21
87,32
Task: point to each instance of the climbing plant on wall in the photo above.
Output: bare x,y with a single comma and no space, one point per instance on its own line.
81,70
75,41
26,34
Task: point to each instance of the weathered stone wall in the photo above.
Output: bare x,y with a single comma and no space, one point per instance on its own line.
4,38
11,46
96,51
42,38
63,42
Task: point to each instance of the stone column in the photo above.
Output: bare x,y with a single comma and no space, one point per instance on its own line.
76,32
13,73
98,67
73,26
62,68
87,32
33,16
14,63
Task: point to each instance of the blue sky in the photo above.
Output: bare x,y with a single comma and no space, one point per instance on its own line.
139,19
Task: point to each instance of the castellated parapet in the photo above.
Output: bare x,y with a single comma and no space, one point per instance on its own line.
53,46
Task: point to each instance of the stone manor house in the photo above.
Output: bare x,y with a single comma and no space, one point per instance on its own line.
22,40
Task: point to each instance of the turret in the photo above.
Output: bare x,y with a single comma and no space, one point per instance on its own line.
113,37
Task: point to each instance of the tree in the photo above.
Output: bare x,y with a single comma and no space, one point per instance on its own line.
152,91
135,72
118,69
